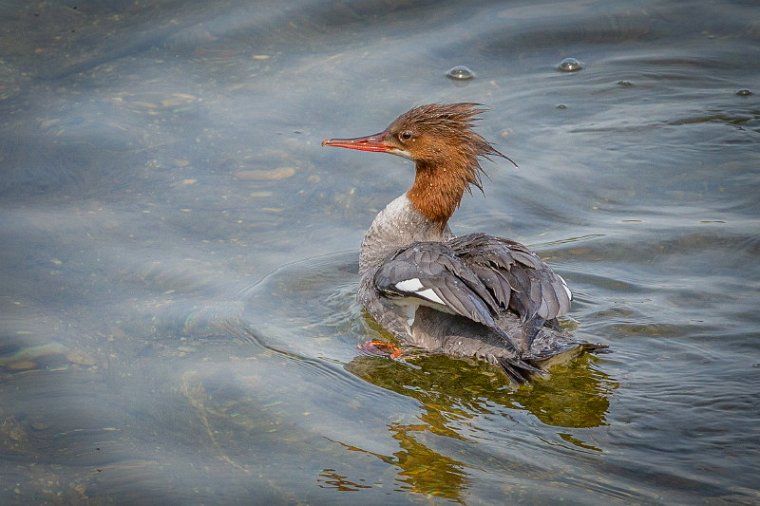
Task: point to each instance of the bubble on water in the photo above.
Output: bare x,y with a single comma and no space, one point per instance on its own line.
570,65
460,73
744,92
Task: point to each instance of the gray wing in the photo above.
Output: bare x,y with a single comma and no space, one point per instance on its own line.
515,276
431,274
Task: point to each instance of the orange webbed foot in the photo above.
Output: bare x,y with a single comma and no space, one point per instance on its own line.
382,348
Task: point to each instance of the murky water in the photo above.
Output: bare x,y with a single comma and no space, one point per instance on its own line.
178,254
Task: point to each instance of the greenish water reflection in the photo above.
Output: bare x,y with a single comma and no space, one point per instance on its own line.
450,391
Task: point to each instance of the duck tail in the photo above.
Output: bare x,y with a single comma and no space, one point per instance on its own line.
518,370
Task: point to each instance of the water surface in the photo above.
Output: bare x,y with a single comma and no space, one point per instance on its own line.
178,255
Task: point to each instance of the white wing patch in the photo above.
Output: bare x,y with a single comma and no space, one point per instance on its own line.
564,285
417,288
429,294
409,285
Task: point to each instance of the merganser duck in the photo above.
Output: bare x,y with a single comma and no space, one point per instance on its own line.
471,296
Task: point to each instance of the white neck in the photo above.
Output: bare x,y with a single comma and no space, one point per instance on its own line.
397,226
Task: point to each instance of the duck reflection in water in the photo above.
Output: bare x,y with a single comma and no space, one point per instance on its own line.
453,393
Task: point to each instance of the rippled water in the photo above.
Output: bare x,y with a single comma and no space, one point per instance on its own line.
178,254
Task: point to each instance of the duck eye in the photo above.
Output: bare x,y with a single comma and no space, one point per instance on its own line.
406,135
